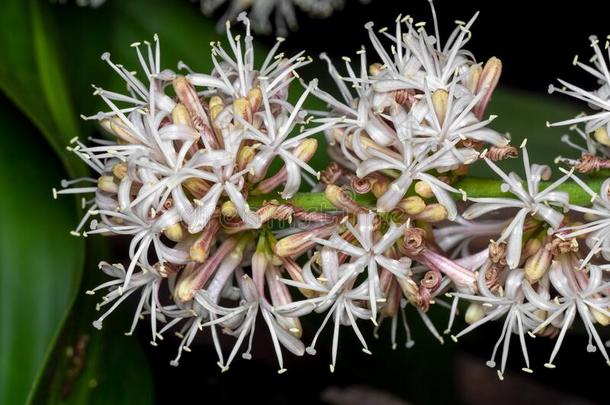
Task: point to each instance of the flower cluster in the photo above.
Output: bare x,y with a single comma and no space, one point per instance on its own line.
268,13
196,162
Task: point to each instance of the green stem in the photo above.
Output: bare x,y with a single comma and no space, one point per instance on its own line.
473,186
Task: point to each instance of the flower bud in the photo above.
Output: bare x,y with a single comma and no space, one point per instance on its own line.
241,108
375,69
244,157
439,101
119,129
216,105
380,186
180,115
433,213
175,232
120,170
475,312
532,246
423,189
342,200
412,205
298,243
228,209
306,149
197,187
200,249
107,184
601,136
538,264
600,317
255,98
472,79
487,84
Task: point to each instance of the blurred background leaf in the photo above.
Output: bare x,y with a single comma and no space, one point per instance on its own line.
90,366
40,262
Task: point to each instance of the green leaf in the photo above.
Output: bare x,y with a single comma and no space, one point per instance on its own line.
90,366
40,261
33,77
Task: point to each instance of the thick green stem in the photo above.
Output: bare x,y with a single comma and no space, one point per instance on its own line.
473,186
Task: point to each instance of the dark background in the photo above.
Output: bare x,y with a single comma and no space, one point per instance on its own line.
536,41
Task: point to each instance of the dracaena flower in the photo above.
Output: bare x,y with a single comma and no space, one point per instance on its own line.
147,281
337,293
268,13
412,168
419,58
596,124
240,322
519,318
370,254
529,200
597,229
581,292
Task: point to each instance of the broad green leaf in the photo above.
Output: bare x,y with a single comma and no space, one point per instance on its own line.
40,261
33,76
90,366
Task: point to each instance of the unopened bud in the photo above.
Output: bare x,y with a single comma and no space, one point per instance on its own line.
241,108
244,157
120,170
180,115
120,130
216,105
433,213
298,243
600,317
175,232
474,313
342,200
107,184
196,186
423,189
228,209
409,289
413,205
375,69
537,265
532,246
200,249
255,98
472,79
601,136
380,187
439,101
306,149
487,84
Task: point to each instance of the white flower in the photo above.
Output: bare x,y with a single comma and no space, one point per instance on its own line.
418,60
597,228
410,168
337,293
518,313
598,100
370,255
528,200
266,13
148,281
581,292
240,321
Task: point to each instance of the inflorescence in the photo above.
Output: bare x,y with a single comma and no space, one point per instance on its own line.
203,174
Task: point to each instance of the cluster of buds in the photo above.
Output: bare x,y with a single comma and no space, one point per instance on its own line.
191,177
